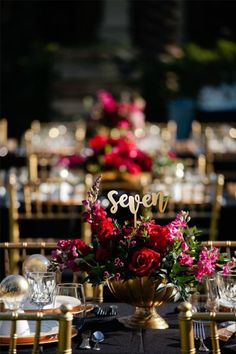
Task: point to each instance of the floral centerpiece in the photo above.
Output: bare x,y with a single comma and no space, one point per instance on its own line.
105,153
126,113
165,163
168,259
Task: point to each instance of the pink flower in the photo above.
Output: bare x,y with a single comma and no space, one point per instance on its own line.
176,226
207,262
117,276
184,246
226,268
107,101
186,260
106,275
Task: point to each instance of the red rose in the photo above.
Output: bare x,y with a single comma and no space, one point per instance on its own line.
158,237
82,247
98,142
104,230
144,262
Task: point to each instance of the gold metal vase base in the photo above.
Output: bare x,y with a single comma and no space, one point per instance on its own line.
144,318
141,293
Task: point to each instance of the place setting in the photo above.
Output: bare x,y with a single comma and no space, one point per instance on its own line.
37,291
216,294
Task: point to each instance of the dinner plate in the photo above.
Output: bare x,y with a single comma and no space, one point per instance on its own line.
49,334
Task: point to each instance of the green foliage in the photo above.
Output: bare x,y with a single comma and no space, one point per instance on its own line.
198,67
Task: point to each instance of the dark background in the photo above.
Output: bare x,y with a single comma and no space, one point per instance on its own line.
32,30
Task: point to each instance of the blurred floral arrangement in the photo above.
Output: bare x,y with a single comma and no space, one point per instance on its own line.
171,252
165,161
105,153
126,113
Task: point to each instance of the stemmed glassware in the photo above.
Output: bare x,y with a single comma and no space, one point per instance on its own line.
199,304
204,301
73,294
42,285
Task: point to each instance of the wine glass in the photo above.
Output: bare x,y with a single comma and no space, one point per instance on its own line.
73,294
42,285
206,300
97,337
201,302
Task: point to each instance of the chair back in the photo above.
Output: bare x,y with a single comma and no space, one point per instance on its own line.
217,140
228,246
12,256
3,131
186,318
62,336
201,197
45,208
24,249
45,142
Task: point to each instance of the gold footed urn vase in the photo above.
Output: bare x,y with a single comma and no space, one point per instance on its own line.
141,293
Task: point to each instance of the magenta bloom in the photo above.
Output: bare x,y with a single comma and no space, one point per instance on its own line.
186,260
207,262
108,102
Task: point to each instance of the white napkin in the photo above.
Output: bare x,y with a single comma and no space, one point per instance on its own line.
226,332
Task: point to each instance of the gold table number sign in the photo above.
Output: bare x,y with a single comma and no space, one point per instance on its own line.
135,201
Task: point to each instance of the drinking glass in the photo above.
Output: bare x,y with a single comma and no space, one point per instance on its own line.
205,300
227,290
73,294
200,303
42,285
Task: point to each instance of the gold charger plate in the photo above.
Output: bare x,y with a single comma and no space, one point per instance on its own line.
45,338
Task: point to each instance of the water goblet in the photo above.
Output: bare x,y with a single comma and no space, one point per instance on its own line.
42,285
72,293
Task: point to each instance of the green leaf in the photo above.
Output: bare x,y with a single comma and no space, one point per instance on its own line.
160,288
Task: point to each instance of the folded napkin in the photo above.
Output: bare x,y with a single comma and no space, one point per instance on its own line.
226,332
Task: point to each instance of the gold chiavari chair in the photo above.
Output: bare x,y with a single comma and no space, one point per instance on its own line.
3,131
25,249
45,142
61,137
228,247
186,318
44,208
202,198
217,140
64,335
